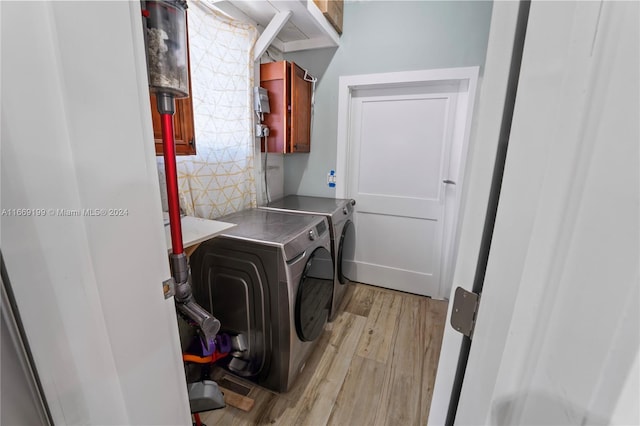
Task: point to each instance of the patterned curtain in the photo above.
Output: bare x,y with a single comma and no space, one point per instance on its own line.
220,178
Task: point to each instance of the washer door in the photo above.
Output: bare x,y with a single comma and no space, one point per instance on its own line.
346,251
315,292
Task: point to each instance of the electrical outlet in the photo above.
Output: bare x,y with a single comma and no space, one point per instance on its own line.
262,131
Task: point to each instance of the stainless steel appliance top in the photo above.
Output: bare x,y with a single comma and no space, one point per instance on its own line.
267,226
312,205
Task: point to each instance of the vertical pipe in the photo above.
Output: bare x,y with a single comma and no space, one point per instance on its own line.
168,148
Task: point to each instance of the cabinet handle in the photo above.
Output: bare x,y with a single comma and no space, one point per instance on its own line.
191,142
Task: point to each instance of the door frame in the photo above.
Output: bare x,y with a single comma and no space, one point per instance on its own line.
467,78
514,312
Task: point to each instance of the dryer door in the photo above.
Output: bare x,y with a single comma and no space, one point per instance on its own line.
315,291
346,252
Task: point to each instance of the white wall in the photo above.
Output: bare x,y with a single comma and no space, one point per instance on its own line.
381,36
76,133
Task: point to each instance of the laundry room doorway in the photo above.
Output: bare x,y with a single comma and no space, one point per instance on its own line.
402,143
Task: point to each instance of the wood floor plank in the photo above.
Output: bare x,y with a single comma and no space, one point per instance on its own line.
314,408
379,289
311,366
434,313
347,295
381,326
271,412
359,396
361,301
233,416
345,381
400,400
285,402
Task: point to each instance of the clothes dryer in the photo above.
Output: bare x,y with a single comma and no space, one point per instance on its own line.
269,281
339,213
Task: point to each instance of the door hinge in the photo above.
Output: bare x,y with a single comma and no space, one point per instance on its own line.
464,311
169,288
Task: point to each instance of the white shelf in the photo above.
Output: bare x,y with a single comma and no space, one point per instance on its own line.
196,230
307,28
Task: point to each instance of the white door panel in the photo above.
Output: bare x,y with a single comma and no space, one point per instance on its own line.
399,206
402,147
401,143
408,281
414,88
380,247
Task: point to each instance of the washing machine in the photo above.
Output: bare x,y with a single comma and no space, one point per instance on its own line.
269,281
339,213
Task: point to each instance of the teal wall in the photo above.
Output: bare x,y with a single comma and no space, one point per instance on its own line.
381,36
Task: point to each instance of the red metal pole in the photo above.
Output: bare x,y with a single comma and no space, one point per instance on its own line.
196,417
168,148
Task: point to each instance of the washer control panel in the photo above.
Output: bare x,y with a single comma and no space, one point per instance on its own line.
321,228
315,233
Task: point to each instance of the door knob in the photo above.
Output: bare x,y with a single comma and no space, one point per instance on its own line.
448,182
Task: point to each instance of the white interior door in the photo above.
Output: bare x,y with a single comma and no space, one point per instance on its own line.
557,338
404,142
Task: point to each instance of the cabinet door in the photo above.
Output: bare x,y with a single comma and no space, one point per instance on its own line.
274,76
300,140
290,102
182,126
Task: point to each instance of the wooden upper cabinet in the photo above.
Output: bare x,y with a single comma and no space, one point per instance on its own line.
183,128
289,121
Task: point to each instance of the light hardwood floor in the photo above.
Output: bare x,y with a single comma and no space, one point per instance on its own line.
374,365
